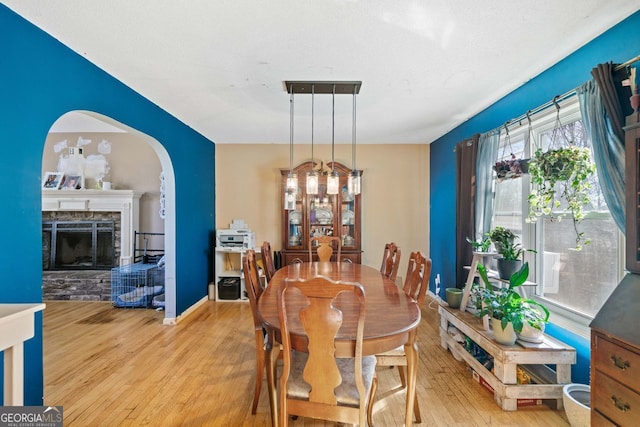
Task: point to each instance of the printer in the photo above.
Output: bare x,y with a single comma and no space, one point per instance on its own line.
232,238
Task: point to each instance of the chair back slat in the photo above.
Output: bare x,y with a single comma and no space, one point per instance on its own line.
267,260
321,321
252,284
417,281
390,261
325,247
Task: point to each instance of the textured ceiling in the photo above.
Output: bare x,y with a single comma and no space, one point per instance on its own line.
425,66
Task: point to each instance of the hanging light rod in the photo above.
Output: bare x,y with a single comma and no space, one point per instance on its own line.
323,87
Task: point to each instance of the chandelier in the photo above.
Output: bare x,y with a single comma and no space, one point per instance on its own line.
313,176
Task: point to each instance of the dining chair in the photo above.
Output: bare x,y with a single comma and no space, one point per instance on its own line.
390,261
254,289
325,247
416,284
317,384
267,260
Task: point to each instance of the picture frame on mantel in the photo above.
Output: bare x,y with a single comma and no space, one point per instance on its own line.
52,180
71,182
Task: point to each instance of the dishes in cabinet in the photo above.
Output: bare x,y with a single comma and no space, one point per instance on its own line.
324,216
294,240
295,217
348,240
348,217
346,197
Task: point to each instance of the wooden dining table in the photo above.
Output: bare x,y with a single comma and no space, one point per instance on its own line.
391,319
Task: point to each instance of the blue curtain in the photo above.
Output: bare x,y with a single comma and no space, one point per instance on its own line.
487,154
608,149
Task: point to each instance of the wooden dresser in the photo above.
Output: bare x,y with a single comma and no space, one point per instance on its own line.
615,357
615,331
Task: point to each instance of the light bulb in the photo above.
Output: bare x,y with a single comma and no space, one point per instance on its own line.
333,183
292,182
312,182
354,182
290,200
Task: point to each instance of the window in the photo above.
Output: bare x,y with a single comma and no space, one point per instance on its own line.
570,283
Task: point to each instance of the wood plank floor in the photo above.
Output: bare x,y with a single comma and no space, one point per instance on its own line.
122,367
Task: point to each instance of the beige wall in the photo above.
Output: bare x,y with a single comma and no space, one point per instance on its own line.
134,165
395,192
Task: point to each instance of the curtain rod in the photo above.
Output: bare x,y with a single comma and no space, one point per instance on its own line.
559,98
629,62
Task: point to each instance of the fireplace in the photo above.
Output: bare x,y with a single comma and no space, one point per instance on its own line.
78,245
120,206
77,215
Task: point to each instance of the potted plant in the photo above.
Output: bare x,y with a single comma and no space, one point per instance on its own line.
511,260
480,245
510,168
505,242
501,237
509,312
561,173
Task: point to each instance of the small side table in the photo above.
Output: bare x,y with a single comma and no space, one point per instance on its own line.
17,324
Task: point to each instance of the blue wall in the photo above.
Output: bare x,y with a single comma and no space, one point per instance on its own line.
619,44
40,80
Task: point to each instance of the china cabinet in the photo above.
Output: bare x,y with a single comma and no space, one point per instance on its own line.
320,214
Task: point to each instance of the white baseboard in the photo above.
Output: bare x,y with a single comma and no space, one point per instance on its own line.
188,311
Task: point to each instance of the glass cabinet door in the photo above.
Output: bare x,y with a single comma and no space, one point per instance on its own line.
321,213
295,222
347,218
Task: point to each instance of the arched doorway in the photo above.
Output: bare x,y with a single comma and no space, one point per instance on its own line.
95,126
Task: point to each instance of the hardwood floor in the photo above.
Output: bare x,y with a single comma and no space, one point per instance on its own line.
122,367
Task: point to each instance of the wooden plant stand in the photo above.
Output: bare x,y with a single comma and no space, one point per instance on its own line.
531,357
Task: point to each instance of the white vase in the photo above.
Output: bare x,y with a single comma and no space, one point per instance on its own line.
531,334
506,336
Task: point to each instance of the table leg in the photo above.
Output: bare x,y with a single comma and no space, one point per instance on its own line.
272,360
411,352
13,374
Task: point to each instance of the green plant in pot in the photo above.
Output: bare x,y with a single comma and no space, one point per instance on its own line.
505,242
511,260
501,238
480,245
509,312
561,174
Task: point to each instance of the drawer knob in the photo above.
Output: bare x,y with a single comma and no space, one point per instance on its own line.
619,362
619,403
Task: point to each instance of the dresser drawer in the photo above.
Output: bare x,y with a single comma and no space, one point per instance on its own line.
598,420
618,403
617,362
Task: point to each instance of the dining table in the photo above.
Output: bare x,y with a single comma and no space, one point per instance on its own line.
391,319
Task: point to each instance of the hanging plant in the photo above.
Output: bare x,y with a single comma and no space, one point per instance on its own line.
561,174
511,167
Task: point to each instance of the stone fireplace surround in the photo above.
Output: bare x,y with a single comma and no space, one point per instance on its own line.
91,285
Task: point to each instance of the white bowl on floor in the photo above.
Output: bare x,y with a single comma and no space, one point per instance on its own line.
577,404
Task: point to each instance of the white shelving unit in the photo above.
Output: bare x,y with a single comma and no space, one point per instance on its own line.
228,264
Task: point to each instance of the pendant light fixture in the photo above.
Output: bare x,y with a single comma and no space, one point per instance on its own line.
333,179
312,175
353,183
291,189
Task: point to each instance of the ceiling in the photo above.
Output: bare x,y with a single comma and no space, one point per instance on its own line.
425,66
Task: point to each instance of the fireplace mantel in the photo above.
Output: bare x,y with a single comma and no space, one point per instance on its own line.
127,202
